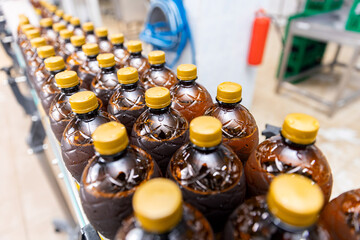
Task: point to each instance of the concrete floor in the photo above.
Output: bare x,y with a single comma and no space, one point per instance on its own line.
28,206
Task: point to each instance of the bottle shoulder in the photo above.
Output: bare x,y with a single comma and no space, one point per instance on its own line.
128,99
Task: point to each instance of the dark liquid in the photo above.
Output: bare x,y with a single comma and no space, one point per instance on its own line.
275,156
48,91
76,143
191,99
252,220
139,62
161,133
51,37
211,179
121,54
158,76
341,217
193,226
66,49
76,59
32,65
87,72
240,131
78,31
105,45
108,185
105,84
90,37
127,104
40,75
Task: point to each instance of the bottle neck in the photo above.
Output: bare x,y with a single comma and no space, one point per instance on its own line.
157,66
89,115
57,71
160,111
118,46
67,40
228,105
129,86
103,38
112,158
90,32
77,26
135,54
48,28
187,83
205,149
294,145
92,58
78,48
108,70
71,90
286,227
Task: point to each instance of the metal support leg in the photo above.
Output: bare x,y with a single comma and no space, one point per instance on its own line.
285,57
334,62
344,81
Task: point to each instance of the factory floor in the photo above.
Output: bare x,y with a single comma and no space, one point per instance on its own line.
28,205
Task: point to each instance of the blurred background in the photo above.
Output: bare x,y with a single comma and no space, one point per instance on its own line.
289,56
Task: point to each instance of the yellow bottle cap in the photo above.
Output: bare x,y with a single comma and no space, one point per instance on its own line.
59,13
127,75
157,205
66,34
38,42
205,131
117,38
88,27
46,22
77,41
229,92
43,3
67,17
134,46
83,102
67,79
46,51
91,49
26,27
186,72
23,20
300,128
157,97
106,60
101,32
58,27
52,8
295,200
156,57
110,138
75,21
54,63
32,33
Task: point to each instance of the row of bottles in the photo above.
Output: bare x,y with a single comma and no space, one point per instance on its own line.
123,119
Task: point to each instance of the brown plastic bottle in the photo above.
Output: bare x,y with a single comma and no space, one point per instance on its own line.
34,62
210,175
23,20
340,217
160,213
58,17
57,27
136,59
160,130
60,110
158,75
189,97
65,46
293,151
41,74
90,67
22,36
112,176
78,57
128,101
51,9
34,43
75,23
49,88
66,19
240,131
288,212
102,40
76,143
26,44
106,81
46,27
88,29
119,50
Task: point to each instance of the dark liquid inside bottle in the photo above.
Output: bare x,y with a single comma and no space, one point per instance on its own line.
105,84
240,131
158,76
76,143
278,155
49,90
121,54
139,62
105,45
65,48
341,217
192,226
90,37
108,185
32,66
160,132
76,59
252,220
127,104
88,71
191,99
78,31
50,35
211,179
40,75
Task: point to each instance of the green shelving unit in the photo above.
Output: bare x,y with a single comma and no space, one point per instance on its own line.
353,22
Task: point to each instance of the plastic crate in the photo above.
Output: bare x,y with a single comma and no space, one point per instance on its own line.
321,6
353,21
